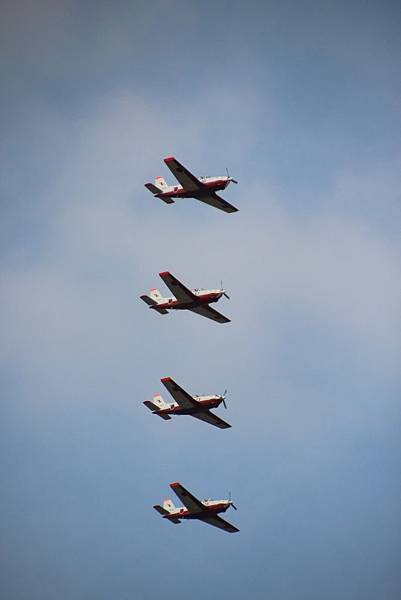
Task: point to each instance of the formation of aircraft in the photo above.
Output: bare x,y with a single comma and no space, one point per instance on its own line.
185,404
202,188
203,510
196,300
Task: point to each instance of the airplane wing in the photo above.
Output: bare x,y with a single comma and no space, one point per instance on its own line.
193,504
217,521
209,417
180,396
188,181
217,202
207,311
179,290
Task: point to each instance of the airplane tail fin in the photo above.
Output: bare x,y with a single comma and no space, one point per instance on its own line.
155,408
168,505
155,295
166,513
160,184
157,191
158,401
151,302
157,404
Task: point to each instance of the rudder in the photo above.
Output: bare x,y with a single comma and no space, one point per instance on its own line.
161,184
155,295
168,505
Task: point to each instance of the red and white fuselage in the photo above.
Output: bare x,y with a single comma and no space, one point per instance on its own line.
203,402
211,184
201,297
210,507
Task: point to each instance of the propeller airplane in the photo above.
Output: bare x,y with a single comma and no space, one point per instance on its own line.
185,404
203,510
196,300
202,188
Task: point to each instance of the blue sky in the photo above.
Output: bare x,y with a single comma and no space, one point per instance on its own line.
302,104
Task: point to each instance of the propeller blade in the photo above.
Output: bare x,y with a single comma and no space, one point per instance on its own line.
230,178
231,502
223,290
223,397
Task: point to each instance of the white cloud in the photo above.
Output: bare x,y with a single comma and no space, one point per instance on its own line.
109,238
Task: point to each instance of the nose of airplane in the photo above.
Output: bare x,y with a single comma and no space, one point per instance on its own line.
230,502
223,398
229,178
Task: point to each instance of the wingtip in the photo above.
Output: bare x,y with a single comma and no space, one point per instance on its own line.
175,484
164,273
169,159
164,379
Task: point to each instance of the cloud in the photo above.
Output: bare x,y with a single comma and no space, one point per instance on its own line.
108,238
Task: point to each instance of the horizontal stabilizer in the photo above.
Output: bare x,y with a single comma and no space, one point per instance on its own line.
155,410
156,191
165,513
152,188
166,199
150,302
161,510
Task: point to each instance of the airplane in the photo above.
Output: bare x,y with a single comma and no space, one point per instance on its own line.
185,404
203,510
202,188
196,300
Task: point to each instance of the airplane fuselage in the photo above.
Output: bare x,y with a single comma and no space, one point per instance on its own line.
209,184
204,403
202,297
210,507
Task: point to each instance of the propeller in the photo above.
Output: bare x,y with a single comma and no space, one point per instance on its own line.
231,502
230,178
223,397
224,292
